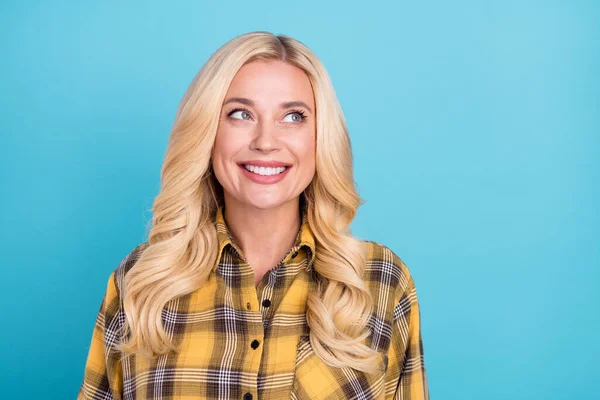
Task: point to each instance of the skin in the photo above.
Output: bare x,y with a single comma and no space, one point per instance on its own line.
264,219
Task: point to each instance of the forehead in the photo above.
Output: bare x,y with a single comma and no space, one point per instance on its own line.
270,82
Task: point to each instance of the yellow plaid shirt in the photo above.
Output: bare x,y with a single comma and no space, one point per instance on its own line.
241,341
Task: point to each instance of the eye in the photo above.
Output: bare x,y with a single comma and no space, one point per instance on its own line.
296,116
243,114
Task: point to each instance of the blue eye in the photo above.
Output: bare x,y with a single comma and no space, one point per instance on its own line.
297,116
245,114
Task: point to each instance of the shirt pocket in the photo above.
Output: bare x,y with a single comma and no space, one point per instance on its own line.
314,379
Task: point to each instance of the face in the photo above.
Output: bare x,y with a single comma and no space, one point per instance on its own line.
264,153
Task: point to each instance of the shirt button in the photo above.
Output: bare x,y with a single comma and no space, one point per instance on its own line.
266,303
254,344
248,396
248,306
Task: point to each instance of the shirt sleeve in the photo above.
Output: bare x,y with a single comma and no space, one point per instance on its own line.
103,373
406,356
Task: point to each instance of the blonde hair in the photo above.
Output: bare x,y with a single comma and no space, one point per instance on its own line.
183,243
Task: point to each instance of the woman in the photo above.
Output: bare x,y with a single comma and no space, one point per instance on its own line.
250,284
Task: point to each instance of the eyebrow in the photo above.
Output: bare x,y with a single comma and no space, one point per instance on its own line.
285,104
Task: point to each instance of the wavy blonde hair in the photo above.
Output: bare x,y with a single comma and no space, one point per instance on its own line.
183,242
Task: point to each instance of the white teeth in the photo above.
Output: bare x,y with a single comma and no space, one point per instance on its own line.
264,171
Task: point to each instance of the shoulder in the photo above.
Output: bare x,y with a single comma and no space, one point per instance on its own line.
390,284
126,264
111,307
130,258
386,271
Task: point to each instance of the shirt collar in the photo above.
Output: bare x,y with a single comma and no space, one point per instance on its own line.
305,237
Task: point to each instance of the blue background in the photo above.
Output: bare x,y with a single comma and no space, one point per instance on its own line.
475,128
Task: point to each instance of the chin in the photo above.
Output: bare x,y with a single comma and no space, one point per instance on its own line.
265,205
264,201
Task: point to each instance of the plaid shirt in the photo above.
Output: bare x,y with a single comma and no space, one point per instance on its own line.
243,341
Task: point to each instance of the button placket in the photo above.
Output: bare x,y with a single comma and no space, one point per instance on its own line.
254,336
267,291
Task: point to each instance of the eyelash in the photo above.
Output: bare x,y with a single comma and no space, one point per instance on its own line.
299,112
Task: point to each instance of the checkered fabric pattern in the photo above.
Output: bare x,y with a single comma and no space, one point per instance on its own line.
241,341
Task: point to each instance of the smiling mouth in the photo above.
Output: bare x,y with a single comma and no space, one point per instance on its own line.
264,171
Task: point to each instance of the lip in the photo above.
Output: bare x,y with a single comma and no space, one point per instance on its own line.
264,179
261,163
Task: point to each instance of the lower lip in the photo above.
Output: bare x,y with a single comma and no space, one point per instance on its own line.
264,179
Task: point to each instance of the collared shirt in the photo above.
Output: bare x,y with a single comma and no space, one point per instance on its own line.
245,341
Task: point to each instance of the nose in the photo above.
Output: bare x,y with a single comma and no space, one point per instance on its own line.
265,137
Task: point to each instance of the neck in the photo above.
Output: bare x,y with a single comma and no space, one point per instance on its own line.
263,235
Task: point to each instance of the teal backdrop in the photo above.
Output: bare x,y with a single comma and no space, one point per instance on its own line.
476,132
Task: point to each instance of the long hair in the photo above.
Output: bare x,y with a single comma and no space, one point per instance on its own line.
182,242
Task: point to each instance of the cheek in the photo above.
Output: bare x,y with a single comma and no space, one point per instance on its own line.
222,154
308,151
305,152
226,145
